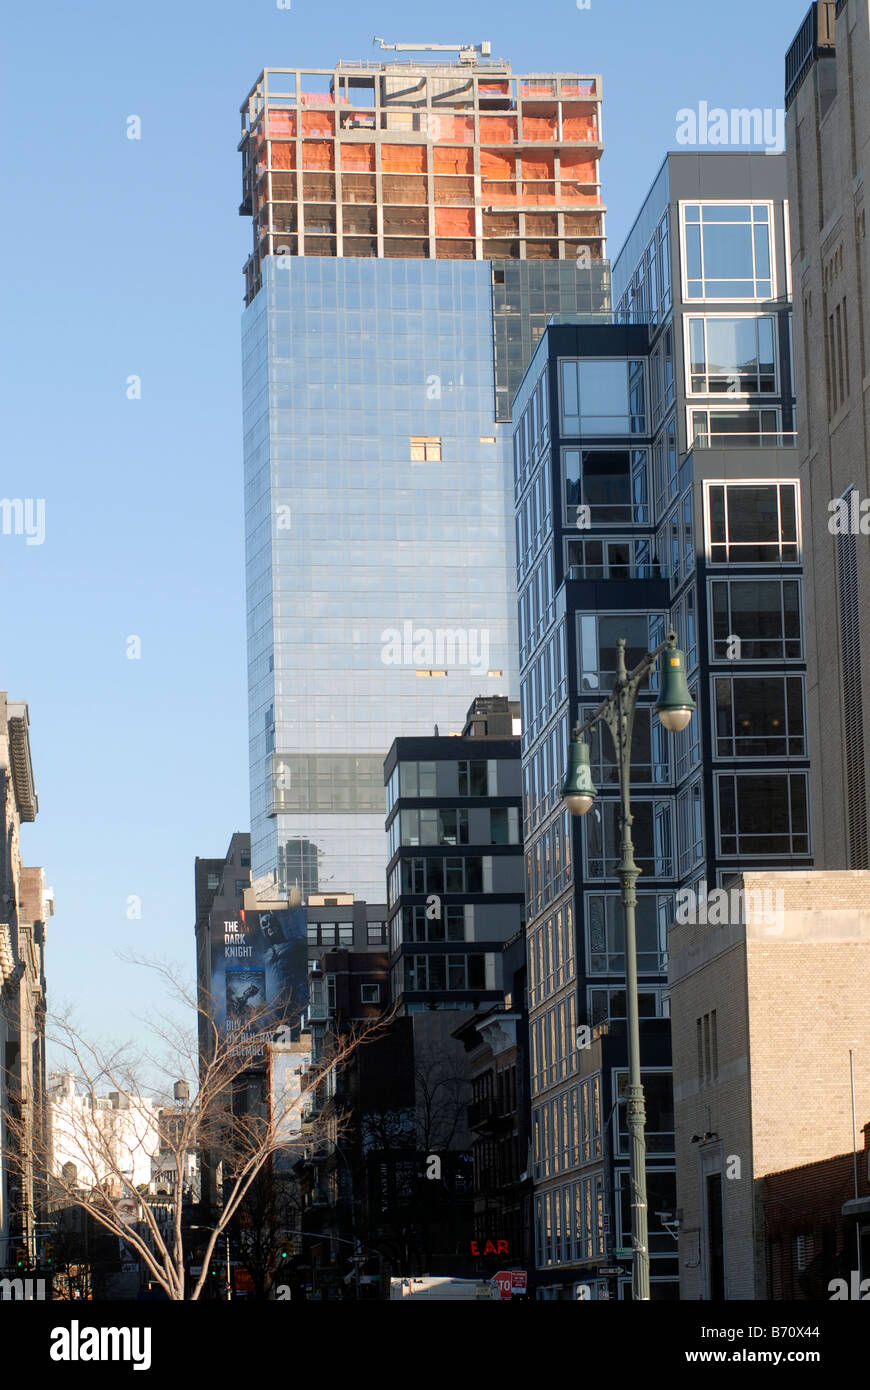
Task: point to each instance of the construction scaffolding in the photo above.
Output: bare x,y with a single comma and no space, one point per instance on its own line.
450,160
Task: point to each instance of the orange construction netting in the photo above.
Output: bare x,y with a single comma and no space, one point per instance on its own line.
502,130
318,154
454,222
359,157
403,159
446,160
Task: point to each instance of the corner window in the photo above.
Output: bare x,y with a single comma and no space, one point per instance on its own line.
736,429
603,396
612,483
732,355
756,620
753,523
728,251
759,717
763,814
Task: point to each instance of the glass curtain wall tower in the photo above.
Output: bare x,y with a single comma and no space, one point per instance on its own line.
414,225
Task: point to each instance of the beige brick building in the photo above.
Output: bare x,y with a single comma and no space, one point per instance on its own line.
764,1011
828,155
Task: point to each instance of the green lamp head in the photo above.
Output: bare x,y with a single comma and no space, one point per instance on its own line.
578,792
675,705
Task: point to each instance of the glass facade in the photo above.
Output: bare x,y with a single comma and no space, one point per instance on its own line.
380,574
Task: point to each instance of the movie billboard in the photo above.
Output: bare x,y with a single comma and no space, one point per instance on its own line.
259,975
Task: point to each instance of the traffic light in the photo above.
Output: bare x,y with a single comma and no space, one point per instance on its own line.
48,1257
20,1257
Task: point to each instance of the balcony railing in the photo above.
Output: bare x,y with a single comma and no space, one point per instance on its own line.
765,439
647,569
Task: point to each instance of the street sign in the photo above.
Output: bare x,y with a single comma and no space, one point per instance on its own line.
623,1254
612,1270
519,1281
503,1283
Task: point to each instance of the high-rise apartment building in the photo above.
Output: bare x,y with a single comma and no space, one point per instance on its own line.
415,223
455,871
656,485
828,149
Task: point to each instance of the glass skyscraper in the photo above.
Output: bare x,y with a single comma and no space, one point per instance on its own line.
414,225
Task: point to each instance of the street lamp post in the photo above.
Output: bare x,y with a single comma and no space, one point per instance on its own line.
675,707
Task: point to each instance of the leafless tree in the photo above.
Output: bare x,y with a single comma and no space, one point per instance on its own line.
218,1116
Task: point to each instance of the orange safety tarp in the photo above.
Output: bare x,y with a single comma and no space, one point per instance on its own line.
579,127
283,155
318,154
358,157
585,88
539,127
454,222
281,124
318,123
492,192
444,127
403,159
540,193
578,166
501,130
495,164
446,160
537,166
455,192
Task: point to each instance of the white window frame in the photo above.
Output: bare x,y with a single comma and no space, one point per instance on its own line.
780,579
753,564
734,676
742,409
727,202
730,395
739,853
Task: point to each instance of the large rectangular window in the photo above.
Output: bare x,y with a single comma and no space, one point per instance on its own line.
752,523
728,251
612,483
734,355
650,749
756,620
598,639
759,717
603,396
605,918
736,429
763,814
653,848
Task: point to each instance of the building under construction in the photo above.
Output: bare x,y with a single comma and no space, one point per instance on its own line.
416,223
430,160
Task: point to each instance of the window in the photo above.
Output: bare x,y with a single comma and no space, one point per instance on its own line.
621,558
690,828
753,523
761,616
417,925
241,885
658,1097
450,972
504,825
717,429
345,934
652,838
474,778
759,717
611,482
708,1049
603,396
598,638
376,933
649,749
245,858
425,448
763,814
605,1004
213,882
728,251
606,933
451,875
435,827
733,355
370,994
416,779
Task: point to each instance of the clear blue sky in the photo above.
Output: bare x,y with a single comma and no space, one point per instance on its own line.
125,257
